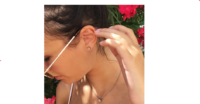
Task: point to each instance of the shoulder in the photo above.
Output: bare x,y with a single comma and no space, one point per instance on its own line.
62,93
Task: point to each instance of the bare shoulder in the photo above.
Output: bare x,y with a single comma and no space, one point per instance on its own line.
62,93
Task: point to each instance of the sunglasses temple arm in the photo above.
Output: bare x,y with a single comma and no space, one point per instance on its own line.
60,53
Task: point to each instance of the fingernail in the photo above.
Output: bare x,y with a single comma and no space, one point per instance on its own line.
111,27
101,42
97,30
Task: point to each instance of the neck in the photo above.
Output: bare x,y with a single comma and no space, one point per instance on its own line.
103,76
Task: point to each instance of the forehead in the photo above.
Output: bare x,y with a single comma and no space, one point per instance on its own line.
52,43
49,38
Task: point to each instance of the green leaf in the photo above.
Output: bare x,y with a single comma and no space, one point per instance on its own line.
142,22
114,16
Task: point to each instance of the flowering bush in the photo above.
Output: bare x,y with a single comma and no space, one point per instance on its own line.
49,100
131,16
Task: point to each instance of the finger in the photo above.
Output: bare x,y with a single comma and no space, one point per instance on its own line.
113,36
115,32
129,32
118,46
107,35
123,71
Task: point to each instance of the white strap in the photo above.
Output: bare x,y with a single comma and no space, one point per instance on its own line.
70,93
59,54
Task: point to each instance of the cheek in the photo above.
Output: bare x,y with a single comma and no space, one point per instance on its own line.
70,64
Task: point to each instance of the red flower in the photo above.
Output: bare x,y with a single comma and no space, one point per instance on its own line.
49,100
140,33
124,17
126,10
134,10
141,40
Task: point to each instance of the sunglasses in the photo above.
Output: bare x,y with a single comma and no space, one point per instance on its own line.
46,74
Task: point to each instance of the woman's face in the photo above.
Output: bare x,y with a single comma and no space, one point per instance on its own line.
73,63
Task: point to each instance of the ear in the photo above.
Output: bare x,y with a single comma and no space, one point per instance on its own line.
88,35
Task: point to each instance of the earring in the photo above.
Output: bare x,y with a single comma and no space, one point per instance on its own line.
88,48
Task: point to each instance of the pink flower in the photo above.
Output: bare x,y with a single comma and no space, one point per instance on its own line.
49,100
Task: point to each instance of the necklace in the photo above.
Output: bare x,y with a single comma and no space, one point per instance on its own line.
100,99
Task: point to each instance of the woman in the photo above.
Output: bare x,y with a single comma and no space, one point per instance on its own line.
95,64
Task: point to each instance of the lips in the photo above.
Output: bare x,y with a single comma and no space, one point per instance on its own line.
58,77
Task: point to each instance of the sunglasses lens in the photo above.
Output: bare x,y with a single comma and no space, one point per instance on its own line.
48,75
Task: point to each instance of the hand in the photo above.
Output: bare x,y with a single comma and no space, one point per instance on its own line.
124,46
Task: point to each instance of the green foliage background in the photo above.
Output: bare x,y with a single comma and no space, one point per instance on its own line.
115,18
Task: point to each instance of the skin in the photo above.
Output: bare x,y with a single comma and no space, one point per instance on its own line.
77,63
